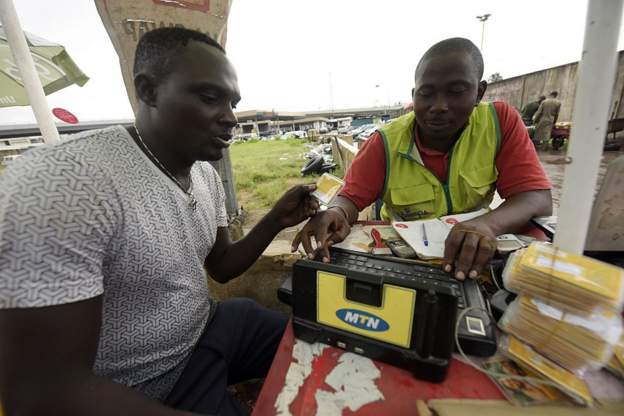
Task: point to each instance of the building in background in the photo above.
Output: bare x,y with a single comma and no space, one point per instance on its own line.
266,123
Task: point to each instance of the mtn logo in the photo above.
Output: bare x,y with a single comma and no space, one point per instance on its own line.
362,320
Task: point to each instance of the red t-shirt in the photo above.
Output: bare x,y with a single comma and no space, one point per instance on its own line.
519,169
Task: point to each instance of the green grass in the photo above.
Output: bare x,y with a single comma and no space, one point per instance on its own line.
264,170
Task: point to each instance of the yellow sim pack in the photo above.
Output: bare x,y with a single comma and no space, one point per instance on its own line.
372,311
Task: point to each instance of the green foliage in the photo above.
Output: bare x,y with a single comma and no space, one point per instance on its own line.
264,170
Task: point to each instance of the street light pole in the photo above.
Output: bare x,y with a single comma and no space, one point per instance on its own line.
483,18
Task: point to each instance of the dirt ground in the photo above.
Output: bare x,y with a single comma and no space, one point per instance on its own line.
554,165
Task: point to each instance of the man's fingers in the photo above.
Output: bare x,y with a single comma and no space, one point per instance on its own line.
313,203
338,235
326,227
324,251
307,242
341,232
295,243
467,254
335,232
307,188
310,209
321,234
452,245
485,252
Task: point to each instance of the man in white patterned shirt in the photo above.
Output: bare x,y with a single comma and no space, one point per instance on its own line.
104,239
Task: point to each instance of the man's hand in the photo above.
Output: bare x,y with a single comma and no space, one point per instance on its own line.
228,260
471,244
328,227
468,248
294,206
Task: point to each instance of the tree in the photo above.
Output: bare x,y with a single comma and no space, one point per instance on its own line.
495,77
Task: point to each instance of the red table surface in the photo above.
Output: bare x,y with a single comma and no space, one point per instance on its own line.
399,388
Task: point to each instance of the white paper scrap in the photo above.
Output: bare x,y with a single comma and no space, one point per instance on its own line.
353,380
298,372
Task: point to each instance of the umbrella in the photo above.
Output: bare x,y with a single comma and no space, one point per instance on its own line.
55,68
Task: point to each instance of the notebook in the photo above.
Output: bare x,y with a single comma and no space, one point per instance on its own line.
427,237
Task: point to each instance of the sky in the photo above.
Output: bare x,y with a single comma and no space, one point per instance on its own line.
298,55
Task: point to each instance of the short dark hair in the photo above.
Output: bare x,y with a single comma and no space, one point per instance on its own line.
455,45
156,48
554,93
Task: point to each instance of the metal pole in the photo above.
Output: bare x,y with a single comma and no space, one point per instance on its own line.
482,34
224,167
483,18
30,78
591,110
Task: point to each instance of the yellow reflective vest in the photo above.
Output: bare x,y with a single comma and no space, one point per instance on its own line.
411,191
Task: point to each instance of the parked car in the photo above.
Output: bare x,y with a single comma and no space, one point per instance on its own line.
300,134
243,136
358,130
366,132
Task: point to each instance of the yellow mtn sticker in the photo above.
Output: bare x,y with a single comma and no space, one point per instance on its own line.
391,322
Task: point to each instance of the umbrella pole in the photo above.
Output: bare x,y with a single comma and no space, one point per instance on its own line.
30,78
591,111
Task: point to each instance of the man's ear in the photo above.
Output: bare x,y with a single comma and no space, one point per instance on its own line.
481,91
413,89
145,88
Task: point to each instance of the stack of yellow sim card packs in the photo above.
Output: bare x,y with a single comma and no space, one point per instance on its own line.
527,358
575,342
565,280
569,308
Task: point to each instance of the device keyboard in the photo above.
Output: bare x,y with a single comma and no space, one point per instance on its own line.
386,267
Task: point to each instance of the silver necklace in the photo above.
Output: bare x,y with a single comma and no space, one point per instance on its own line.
189,192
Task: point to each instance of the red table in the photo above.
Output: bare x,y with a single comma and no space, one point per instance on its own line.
400,389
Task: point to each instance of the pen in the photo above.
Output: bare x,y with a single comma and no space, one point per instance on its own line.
424,235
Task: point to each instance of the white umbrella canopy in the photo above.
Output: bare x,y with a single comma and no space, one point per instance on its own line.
55,68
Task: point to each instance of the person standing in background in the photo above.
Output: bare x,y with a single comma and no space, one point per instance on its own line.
530,109
546,117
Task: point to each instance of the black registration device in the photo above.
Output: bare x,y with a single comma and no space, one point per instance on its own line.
402,313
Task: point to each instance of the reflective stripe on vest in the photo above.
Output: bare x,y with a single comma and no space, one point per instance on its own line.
411,191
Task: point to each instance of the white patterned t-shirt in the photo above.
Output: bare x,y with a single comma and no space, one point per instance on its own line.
94,216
